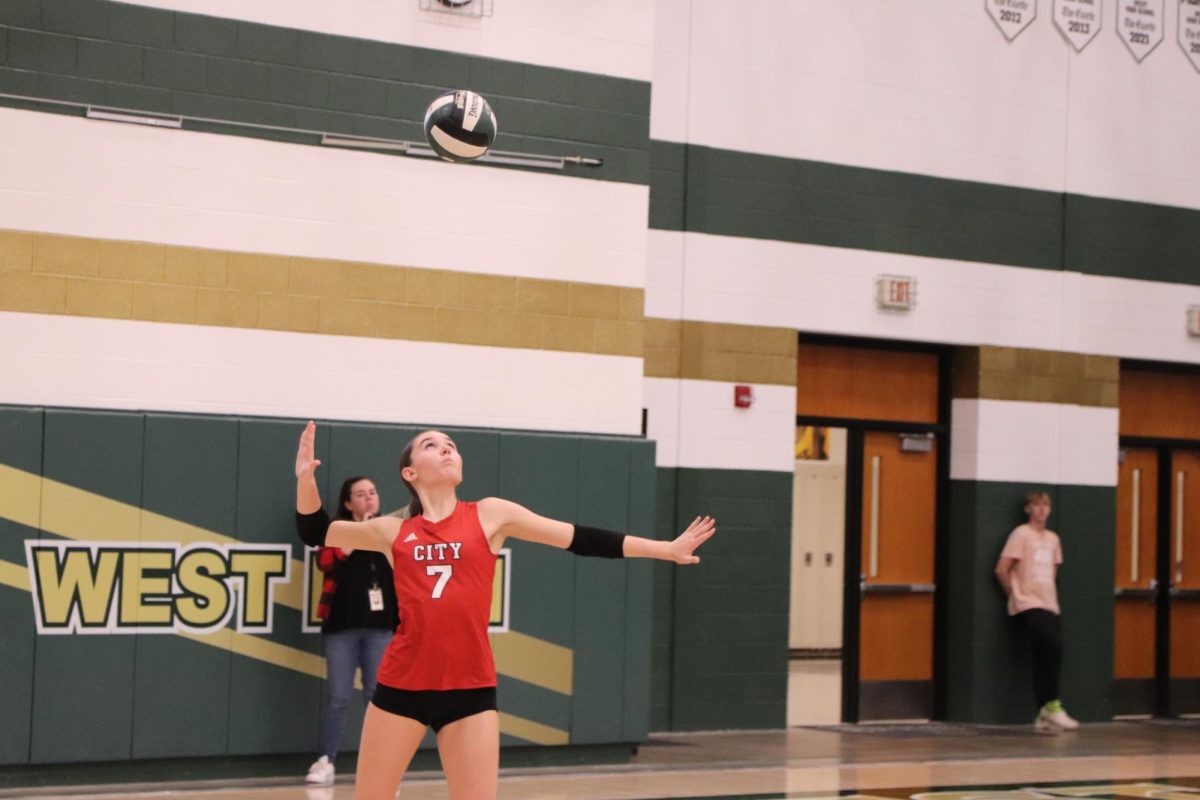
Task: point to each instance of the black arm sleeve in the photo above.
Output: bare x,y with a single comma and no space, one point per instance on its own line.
312,527
597,542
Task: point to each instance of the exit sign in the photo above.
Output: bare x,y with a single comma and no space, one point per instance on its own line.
896,292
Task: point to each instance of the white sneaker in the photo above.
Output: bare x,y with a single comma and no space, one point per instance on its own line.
1042,724
1062,720
321,772
1054,721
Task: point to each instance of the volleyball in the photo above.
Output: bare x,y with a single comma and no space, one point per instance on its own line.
460,125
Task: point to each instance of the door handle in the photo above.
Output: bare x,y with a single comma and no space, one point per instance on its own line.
1135,532
873,554
899,588
1180,477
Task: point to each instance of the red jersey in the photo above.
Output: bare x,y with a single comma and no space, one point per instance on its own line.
443,574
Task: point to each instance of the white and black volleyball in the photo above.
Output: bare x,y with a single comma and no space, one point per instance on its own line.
460,125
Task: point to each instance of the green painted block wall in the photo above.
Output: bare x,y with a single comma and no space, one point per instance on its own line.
149,59
728,650
165,696
731,193
988,658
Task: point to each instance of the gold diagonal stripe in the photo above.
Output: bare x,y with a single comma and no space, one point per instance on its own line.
14,575
64,510
532,731
311,664
261,650
20,496
534,660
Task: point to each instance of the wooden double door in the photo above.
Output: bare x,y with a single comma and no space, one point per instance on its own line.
1156,648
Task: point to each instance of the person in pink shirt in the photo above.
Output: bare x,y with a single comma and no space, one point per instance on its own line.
1027,570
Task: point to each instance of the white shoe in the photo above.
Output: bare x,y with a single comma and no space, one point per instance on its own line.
1042,724
1062,720
321,772
1054,721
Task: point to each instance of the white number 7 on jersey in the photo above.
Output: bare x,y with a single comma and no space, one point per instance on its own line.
443,572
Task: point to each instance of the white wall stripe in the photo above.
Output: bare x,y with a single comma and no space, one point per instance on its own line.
832,290
1051,443
118,364
697,426
869,84
111,180
930,87
610,37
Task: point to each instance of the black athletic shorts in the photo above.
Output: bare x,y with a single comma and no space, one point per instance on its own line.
435,708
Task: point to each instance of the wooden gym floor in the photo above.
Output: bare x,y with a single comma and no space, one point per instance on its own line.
1141,759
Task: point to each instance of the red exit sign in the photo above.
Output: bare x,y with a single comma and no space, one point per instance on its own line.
896,291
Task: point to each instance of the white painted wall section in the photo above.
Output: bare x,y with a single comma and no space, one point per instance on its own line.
118,364
820,289
712,434
1051,443
82,177
930,87
610,37
924,86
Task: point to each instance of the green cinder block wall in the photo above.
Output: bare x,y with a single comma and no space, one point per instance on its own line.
988,658
720,657
224,71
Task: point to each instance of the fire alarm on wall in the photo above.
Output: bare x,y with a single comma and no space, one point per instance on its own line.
743,396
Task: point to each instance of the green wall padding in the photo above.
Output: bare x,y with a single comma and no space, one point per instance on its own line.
160,695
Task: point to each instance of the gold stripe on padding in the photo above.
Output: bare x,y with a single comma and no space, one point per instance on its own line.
74,513
291,658
157,527
534,660
260,649
20,496
14,575
532,731
67,511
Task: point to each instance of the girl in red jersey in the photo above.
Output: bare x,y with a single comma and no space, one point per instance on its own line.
438,670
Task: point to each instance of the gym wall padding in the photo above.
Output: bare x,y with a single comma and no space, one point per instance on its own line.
117,696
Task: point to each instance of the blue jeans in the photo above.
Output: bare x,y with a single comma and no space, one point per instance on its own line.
346,651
